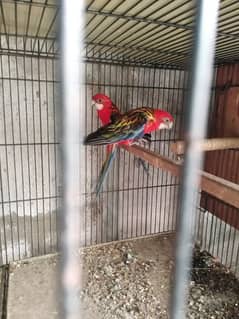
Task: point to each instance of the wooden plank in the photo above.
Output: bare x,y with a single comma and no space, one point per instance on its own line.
155,159
211,144
216,186
220,188
231,125
224,123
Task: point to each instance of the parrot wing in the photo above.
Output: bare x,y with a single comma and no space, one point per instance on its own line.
128,127
115,114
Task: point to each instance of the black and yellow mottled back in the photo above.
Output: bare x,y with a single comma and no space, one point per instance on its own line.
127,127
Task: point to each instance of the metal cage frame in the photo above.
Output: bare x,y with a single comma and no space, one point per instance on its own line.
124,42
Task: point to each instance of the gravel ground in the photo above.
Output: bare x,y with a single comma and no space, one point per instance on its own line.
128,280
214,291
121,285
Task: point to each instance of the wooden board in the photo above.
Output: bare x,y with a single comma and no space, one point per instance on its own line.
231,128
224,123
218,187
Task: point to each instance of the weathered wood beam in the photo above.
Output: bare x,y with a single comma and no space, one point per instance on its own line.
211,144
218,187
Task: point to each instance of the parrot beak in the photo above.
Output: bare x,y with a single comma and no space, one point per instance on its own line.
166,125
97,105
170,125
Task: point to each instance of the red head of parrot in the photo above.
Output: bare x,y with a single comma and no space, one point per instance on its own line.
104,107
159,120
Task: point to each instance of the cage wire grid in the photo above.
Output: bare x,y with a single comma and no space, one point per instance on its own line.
136,53
133,180
213,233
119,31
29,153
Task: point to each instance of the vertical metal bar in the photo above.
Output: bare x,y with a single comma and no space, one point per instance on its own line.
86,155
127,192
73,152
138,171
134,70
48,153
110,196
21,154
153,171
7,185
42,162
162,173
181,89
120,160
172,137
167,189
3,224
55,159
198,106
20,132
117,163
155,98
91,162
98,216
142,216
158,195
28,151
35,157
124,108
146,191
14,156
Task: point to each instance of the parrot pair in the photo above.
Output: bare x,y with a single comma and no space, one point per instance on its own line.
108,112
123,129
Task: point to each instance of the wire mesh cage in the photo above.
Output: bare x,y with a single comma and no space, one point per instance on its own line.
30,175
138,53
130,192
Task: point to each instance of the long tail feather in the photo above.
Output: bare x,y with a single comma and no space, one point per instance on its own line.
105,169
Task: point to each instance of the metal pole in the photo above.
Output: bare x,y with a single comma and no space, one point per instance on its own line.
197,114
73,109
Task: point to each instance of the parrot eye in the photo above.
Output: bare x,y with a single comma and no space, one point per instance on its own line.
100,101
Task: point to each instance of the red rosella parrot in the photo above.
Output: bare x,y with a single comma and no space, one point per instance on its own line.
108,112
130,127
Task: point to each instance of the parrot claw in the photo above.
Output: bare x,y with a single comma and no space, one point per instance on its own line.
138,143
133,143
138,161
146,138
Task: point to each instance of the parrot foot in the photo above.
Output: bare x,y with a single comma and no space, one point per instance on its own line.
146,138
138,161
138,143
134,143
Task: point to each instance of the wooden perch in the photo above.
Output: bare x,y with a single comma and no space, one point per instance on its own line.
211,144
218,187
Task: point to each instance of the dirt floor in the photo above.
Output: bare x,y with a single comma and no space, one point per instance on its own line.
129,279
